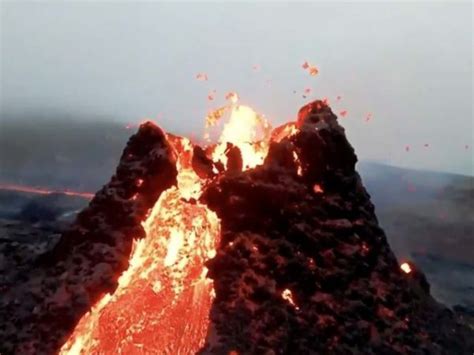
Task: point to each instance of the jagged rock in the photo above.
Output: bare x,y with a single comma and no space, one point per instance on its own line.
41,307
326,250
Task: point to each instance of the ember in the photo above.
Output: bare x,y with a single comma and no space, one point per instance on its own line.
406,268
317,189
288,296
312,70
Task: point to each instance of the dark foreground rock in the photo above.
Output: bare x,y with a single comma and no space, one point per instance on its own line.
40,307
303,266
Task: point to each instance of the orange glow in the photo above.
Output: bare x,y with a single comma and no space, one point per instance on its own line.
288,296
214,116
242,131
406,268
296,159
318,189
286,131
163,299
44,191
244,128
312,69
232,97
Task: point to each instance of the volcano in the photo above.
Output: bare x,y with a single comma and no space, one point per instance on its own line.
264,243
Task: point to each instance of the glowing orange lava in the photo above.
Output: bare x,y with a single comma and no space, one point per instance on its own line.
406,268
318,189
162,301
287,295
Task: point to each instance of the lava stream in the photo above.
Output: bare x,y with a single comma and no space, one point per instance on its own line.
163,300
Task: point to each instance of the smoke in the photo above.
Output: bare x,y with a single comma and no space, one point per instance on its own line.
407,64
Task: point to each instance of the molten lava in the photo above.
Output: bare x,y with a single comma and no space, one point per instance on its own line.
406,268
163,300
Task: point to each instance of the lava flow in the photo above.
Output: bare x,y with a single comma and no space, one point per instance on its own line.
44,191
163,300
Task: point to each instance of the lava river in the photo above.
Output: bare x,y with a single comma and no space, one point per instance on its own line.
162,301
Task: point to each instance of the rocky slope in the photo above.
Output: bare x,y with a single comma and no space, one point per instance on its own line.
41,305
303,266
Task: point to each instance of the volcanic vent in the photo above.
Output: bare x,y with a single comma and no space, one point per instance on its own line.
265,243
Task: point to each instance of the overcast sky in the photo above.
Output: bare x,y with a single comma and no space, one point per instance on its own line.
408,64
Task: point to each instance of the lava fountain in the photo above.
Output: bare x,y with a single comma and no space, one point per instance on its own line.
163,299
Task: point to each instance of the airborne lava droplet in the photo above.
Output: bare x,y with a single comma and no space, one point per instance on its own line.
201,76
287,295
406,268
232,96
312,69
317,189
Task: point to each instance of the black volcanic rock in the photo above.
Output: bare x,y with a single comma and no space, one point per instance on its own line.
303,266
41,307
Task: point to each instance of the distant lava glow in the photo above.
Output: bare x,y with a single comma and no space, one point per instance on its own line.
163,300
43,191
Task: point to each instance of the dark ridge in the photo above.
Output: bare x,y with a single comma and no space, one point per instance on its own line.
43,307
282,235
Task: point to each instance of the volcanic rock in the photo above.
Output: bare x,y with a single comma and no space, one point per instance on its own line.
305,272
40,308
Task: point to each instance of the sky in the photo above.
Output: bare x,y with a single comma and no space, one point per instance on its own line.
408,64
